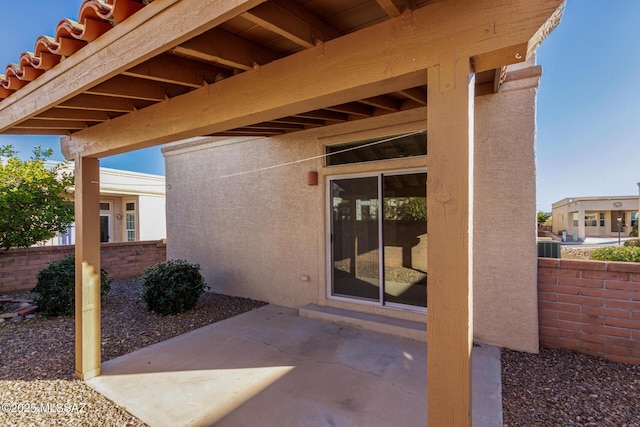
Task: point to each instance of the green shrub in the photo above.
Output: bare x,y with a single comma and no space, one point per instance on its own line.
632,242
617,253
172,287
56,287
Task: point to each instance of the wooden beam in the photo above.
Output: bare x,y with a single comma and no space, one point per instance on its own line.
51,124
87,284
98,103
416,94
176,70
326,31
450,213
250,132
324,115
130,88
283,22
221,47
360,65
299,120
136,40
352,108
75,115
30,131
390,8
274,125
382,101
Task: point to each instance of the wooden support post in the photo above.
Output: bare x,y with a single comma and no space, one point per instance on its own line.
87,285
449,203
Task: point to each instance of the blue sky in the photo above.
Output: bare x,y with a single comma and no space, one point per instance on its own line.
588,139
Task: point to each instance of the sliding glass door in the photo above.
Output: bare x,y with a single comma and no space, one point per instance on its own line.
378,231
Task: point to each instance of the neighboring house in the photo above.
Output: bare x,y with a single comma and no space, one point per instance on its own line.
132,208
595,216
276,85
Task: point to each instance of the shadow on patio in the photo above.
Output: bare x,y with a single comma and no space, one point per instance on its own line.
270,367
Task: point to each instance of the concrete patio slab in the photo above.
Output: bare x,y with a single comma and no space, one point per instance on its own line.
270,367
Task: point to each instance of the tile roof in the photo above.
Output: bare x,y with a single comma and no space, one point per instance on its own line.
95,18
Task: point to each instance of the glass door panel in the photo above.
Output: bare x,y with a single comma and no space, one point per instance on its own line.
104,228
355,238
405,238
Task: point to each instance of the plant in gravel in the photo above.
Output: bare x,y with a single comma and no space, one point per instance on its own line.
632,242
56,287
172,287
617,253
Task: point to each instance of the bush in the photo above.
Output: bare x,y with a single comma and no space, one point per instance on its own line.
56,287
617,253
632,243
172,287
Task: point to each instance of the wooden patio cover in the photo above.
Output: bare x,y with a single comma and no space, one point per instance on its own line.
130,74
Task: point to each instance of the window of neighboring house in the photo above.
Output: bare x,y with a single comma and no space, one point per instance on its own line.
105,222
590,220
130,221
634,219
601,219
575,219
67,238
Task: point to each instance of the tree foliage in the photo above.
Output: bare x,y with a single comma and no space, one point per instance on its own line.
34,201
405,208
542,217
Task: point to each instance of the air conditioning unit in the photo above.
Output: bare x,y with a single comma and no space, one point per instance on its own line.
548,249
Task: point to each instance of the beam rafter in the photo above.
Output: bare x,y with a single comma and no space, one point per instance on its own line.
285,23
73,115
172,69
98,103
221,47
361,64
130,88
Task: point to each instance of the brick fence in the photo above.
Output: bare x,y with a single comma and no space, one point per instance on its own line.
19,267
592,307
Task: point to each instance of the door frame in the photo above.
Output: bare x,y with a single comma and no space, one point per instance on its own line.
379,173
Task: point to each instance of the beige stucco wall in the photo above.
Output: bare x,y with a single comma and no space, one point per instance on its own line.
151,217
259,231
505,262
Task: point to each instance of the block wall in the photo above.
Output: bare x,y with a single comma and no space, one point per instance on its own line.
592,307
19,267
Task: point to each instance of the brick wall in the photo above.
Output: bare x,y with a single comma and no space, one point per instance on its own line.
19,267
592,307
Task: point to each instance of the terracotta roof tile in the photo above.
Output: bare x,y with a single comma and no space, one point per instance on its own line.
95,18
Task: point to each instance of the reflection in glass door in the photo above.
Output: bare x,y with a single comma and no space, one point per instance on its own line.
373,212
356,264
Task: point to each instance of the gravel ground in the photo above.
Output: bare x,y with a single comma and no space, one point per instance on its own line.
571,252
554,388
562,388
37,385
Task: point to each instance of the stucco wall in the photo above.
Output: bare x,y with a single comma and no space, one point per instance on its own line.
505,264
254,234
259,231
152,217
